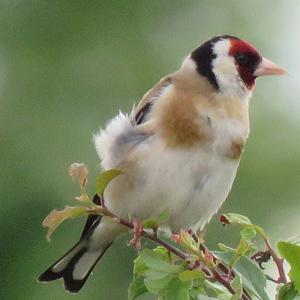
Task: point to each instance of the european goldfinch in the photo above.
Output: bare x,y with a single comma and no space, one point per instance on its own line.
179,149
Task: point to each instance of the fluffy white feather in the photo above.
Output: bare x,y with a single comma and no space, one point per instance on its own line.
105,140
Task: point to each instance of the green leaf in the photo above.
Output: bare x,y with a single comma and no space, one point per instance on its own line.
245,245
154,261
150,223
136,288
55,218
155,275
157,286
188,243
105,178
139,266
225,248
166,255
244,221
153,280
241,249
156,222
163,252
232,218
288,292
217,289
252,276
291,253
177,290
248,233
203,297
238,287
188,275
197,292
158,271
164,216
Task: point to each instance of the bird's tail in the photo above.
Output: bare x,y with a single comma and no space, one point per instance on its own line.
77,264
74,267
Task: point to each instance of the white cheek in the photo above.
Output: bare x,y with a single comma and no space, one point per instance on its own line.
224,68
223,65
226,73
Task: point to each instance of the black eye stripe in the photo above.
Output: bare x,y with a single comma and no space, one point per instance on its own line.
242,58
247,60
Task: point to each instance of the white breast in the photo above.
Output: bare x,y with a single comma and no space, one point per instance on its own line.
191,184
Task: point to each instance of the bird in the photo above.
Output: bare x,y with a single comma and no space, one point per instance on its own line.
179,149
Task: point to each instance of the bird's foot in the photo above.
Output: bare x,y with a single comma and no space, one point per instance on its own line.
137,234
175,237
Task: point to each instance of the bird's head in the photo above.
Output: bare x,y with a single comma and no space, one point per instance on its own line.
231,65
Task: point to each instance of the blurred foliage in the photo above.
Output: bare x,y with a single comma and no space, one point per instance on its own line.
66,67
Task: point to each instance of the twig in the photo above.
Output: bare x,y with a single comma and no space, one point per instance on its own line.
278,261
153,237
220,278
224,281
216,276
169,247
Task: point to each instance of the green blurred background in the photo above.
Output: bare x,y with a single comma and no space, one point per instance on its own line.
66,67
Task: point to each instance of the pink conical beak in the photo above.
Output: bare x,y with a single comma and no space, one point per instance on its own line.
266,67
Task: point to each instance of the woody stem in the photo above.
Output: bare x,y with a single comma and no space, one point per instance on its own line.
278,261
215,274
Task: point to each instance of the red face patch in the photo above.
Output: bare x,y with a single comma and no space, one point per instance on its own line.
246,59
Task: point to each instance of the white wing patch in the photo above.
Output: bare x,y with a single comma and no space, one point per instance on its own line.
62,264
85,263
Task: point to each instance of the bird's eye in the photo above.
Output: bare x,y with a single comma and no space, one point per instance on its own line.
241,59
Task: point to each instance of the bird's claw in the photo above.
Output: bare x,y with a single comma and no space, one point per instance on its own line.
137,234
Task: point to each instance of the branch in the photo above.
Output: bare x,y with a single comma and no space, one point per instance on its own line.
213,270
279,263
153,237
192,251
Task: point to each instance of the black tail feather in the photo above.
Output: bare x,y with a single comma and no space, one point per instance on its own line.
49,274
71,284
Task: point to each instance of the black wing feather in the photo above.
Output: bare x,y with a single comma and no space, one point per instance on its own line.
92,220
145,105
142,113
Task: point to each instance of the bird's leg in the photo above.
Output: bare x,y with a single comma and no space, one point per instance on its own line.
137,234
175,237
